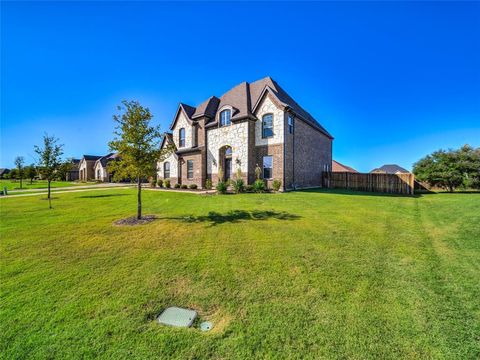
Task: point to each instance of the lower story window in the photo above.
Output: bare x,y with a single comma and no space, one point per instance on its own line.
166,170
189,169
267,167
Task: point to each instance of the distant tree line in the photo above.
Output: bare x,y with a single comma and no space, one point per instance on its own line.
450,169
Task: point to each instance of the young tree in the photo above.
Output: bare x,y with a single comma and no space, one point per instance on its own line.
138,145
19,161
30,173
49,160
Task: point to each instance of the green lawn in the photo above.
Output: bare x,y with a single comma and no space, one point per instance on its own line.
282,276
38,184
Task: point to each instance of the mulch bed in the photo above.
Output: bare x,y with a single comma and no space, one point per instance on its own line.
134,221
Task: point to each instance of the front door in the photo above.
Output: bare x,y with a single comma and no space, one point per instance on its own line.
228,169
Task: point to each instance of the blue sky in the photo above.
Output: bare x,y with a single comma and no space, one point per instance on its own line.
391,81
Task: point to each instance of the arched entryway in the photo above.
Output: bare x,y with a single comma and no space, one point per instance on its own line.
225,159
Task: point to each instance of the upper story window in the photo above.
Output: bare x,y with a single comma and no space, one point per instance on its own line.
267,126
290,124
225,117
181,137
166,170
189,169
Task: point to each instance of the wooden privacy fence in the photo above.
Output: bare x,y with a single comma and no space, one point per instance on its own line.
386,183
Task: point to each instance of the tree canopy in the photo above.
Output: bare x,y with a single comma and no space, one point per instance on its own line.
450,169
138,145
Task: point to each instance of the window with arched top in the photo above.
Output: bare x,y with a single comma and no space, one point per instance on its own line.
267,126
166,170
181,137
225,117
228,151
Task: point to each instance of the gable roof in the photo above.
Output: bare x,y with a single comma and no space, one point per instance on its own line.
168,137
91,157
207,108
339,167
105,159
244,98
4,171
390,169
187,110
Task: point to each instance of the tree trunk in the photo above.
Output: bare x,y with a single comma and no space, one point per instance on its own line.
49,198
139,198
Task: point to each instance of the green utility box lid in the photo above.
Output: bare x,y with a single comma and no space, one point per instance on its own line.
175,316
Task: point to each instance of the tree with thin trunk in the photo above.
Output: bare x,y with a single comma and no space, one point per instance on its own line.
138,146
49,160
30,173
19,161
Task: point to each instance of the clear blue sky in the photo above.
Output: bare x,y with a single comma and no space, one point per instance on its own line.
391,81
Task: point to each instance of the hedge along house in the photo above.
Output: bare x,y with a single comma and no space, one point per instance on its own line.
253,124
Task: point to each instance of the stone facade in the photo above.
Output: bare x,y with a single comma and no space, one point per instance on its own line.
173,160
182,122
86,171
268,107
100,172
234,136
298,158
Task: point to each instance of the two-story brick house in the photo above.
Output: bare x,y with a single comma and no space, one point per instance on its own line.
253,124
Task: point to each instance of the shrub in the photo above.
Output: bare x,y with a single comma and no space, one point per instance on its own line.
259,186
184,186
167,184
222,187
238,186
208,184
177,186
160,183
276,185
249,188
193,186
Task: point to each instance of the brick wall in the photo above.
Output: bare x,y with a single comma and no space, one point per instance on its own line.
312,152
276,151
197,169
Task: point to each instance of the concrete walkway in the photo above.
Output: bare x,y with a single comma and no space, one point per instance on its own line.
68,190
73,187
198,192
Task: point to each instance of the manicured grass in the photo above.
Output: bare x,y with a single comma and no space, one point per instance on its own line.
282,276
38,184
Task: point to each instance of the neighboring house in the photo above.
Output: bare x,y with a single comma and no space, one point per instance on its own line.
101,167
390,169
253,124
73,174
86,167
339,167
4,172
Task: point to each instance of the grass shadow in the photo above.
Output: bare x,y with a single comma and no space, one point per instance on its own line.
235,216
100,196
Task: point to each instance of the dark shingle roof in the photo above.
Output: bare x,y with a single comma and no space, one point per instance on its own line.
390,169
243,98
91,157
207,108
